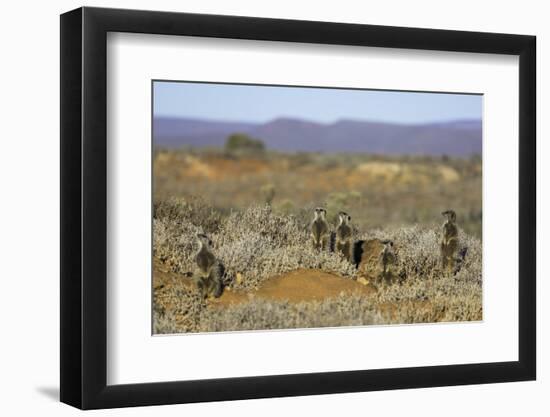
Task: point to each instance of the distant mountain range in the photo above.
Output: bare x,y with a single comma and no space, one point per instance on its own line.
453,138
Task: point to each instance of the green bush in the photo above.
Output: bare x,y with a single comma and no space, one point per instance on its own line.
242,143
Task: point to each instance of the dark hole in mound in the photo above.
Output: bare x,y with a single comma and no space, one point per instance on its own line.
357,252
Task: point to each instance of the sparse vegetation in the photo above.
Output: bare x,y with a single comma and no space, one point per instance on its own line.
280,208
377,191
258,243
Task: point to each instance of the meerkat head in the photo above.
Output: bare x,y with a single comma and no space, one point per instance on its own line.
450,214
320,213
203,240
387,243
344,217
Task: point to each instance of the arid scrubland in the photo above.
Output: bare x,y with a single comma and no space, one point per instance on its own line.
260,242
377,191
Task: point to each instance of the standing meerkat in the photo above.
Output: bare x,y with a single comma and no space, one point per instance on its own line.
449,241
209,272
344,235
320,230
387,258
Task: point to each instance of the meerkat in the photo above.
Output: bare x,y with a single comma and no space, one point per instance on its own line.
449,241
320,230
344,235
386,259
209,272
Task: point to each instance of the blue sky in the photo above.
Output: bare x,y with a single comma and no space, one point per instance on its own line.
230,102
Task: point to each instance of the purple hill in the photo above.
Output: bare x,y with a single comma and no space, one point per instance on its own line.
453,138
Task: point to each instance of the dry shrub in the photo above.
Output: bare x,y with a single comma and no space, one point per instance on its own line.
173,244
260,314
417,251
177,309
258,243
193,211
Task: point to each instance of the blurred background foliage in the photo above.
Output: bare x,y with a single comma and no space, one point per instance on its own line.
376,190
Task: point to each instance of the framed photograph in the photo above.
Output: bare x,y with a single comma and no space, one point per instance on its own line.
257,208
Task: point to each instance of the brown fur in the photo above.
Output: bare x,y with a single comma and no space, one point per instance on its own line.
320,230
344,236
449,242
368,264
209,273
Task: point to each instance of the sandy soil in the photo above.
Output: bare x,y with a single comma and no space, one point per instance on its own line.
301,285
294,286
297,286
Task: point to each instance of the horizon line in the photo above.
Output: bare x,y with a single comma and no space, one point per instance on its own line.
257,123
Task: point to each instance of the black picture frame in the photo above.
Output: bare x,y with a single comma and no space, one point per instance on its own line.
84,207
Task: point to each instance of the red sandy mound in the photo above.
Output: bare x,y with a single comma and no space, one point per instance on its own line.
297,286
